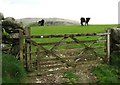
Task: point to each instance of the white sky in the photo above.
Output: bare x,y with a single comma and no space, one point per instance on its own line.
100,11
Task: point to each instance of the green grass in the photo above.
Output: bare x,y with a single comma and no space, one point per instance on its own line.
69,29
43,30
71,77
115,59
105,74
12,70
40,30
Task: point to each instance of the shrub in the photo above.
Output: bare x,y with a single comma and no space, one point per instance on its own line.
12,70
0,67
105,74
115,59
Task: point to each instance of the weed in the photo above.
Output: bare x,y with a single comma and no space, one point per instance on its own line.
105,74
12,70
71,76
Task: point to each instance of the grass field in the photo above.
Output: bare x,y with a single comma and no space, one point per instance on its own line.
38,30
70,29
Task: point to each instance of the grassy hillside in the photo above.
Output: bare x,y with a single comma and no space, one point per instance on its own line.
48,21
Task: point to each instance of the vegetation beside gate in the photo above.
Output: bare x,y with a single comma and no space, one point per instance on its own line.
12,70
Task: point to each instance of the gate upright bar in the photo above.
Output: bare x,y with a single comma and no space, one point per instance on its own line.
28,49
108,45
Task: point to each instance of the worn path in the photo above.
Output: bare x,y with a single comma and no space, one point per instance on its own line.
82,72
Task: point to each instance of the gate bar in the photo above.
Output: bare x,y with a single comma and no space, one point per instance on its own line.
28,49
108,45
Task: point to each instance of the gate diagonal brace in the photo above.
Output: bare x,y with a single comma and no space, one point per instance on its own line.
57,44
57,57
78,57
50,52
84,49
78,41
93,49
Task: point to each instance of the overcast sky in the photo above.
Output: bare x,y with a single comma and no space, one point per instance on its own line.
100,11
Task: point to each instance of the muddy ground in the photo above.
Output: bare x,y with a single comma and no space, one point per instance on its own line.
56,74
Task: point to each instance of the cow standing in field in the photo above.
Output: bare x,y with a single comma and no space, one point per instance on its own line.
83,20
87,20
42,22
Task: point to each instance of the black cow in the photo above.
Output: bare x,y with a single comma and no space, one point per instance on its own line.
83,20
41,23
87,20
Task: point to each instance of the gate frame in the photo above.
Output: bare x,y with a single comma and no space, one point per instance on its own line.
28,46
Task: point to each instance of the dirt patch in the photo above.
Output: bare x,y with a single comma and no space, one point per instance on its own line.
53,71
82,72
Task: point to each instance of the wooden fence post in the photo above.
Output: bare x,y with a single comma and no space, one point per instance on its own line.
108,45
21,45
28,49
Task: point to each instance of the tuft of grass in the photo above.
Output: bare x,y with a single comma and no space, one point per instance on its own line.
105,74
12,70
115,59
71,76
